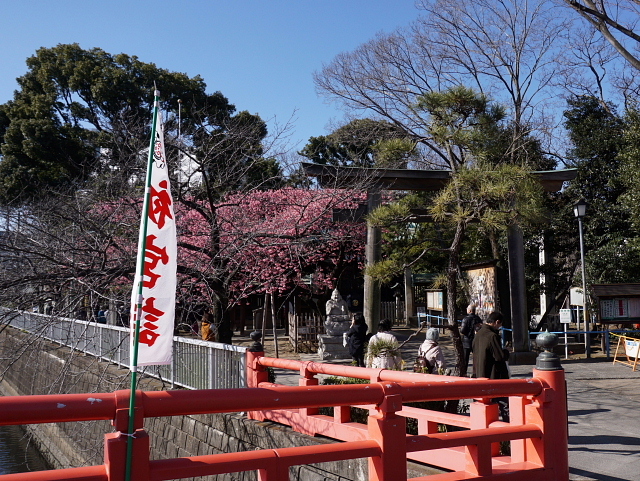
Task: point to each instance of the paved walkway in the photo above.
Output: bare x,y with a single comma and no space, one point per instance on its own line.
604,419
604,411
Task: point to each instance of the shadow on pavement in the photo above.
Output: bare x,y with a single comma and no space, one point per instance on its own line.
601,441
583,412
588,475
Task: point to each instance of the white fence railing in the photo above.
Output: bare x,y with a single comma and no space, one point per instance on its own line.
196,364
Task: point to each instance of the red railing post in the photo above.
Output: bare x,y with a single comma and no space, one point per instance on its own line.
427,426
482,413
375,375
517,406
255,372
121,418
389,431
549,411
341,414
115,454
307,378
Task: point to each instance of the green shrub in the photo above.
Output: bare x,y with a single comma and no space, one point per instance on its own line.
358,415
333,380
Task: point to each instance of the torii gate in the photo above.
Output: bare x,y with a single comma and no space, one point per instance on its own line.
377,180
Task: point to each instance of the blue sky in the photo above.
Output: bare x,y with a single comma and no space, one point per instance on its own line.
260,54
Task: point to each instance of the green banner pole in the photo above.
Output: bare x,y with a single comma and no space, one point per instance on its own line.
140,268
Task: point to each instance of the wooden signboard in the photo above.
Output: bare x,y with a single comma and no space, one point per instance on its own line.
619,308
435,300
483,289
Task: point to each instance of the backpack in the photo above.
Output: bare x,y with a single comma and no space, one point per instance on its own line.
423,366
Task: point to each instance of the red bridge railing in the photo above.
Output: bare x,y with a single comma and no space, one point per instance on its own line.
537,430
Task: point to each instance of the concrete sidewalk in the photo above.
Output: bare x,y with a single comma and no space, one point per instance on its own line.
604,411
604,419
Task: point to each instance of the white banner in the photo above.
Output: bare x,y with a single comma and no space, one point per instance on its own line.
155,343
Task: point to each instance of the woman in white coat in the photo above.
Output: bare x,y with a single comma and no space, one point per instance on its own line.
382,351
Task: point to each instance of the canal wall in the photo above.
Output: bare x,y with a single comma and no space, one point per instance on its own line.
29,366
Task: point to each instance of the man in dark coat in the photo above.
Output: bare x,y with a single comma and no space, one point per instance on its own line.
470,324
489,358
356,337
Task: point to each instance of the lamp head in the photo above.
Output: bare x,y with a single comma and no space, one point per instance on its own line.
580,209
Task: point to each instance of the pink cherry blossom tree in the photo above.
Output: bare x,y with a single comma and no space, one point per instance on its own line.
265,242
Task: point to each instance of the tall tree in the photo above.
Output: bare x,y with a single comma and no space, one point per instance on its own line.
630,165
596,135
600,138
81,113
503,49
361,143
587,66
616,21
458,120
607,45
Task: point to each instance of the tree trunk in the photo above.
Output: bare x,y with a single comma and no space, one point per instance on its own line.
273,322
452,293
371,307
220,312
409,300
265,310
452,314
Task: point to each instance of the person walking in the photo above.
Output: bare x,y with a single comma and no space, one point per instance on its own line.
432,353
383,350
490,358
356,338
470,324
207,327
101,316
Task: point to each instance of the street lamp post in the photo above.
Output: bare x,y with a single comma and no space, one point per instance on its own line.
580,209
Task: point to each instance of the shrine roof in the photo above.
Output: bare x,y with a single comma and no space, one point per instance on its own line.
616,290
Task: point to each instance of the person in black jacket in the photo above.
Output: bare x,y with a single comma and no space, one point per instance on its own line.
470,324
356,338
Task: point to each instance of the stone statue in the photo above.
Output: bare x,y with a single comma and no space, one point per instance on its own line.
336,306
338,319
